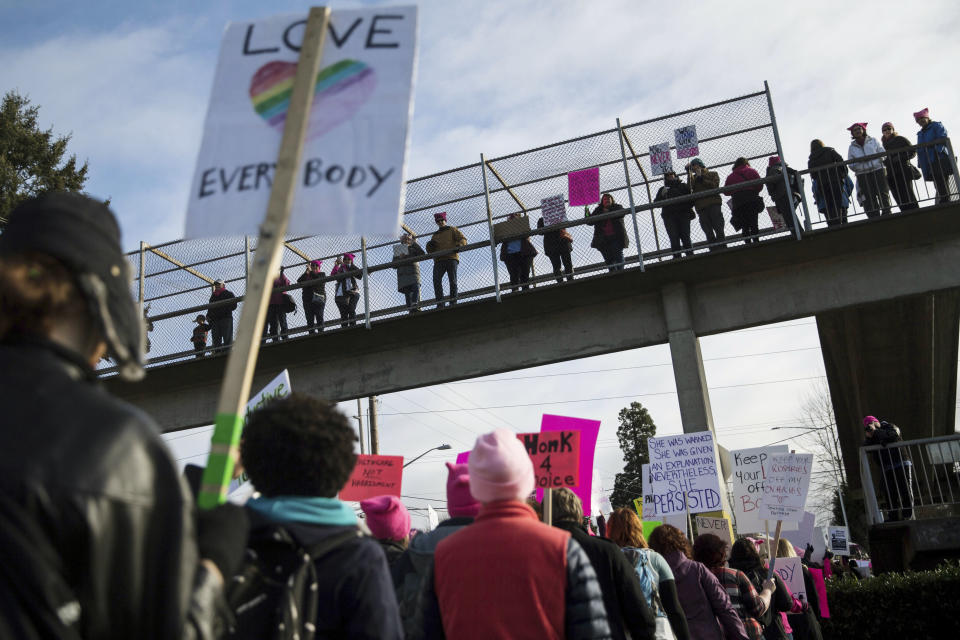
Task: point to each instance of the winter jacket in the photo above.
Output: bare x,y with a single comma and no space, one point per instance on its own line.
740,196
933,155
408,274
781,601
806,625
309,289
520,570
776,188
830,182
555,242
710,615
221,311
869,147
887,433
899,161
444,239
276,297
392,550
618,236
411,569
706,181
820,196
346,281
679,210
526,248
623,598
744,598
94,517
356,598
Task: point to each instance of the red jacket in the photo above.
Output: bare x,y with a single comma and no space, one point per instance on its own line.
504,576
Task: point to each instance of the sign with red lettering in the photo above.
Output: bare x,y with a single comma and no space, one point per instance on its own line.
747,480
555,456
374,476
786,485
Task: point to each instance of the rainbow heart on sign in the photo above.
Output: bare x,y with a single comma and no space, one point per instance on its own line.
340,90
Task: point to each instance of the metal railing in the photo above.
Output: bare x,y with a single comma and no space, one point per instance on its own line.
911,480
174,282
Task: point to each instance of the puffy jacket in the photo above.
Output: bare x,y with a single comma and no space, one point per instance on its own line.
444,239
309,289
276,297
681,210
869,147
741,195
706,181
600,238
346,280
929,156
93,511
221,311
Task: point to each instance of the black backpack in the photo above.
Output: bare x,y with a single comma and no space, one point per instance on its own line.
275,594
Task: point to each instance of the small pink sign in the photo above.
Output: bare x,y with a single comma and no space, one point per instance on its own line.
589,429
463,456
584,186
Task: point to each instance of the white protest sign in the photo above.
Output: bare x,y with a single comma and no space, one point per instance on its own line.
684,473
785,487
553,209
819,544
791,572
747,481
839,540
352,172
801,534
649,508
432,517
719,527
660,161
686,139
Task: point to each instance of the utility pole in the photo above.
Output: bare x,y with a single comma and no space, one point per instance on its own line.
374,434
359,417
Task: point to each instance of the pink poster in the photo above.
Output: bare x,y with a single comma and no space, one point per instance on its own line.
589,429
463,456
584,186
817,575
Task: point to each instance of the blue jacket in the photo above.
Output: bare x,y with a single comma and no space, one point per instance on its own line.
928,156
844,195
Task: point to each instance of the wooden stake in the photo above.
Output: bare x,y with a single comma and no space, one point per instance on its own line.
776,543
686,507
228,423
548,506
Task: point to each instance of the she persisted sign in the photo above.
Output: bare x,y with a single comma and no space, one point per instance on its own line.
352,172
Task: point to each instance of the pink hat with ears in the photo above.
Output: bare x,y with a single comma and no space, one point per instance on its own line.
387,518
862,125
500,468
316,263
923,113
440,216
773,160
348,255
460,502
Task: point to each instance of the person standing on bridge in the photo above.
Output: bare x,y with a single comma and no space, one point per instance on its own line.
314,295
408,273
871,176
934,159
708,207
276,324
347,292
831,186
610,235
199,335
676,215
220,316
558,245
517,253
778,192
445,240
900,172
745,202
896,466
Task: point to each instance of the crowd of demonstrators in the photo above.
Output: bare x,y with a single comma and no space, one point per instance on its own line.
445,241
745,202
98,534
655,575
708,207
609,235
313,295
558,245
676,215
408,273
896,466
517,253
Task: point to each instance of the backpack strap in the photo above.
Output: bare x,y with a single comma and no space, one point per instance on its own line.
655,583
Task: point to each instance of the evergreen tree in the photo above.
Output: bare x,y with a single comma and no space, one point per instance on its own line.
636,426
31,159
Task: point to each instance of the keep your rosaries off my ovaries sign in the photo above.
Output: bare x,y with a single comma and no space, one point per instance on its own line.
683,470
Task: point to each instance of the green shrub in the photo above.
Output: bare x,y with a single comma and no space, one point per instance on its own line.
910,605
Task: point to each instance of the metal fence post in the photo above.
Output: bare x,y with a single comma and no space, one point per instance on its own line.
633,210
493,244
366,283
956,174
783,163
141,282
246,262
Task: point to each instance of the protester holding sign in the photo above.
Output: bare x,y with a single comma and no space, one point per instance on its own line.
625,602
676,215
708,207
298,452
558,245
517,254
408,274
806,624
744,557
610,235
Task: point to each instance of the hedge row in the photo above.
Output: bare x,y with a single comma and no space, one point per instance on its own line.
910,605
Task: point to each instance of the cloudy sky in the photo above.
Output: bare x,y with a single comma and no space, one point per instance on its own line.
131,82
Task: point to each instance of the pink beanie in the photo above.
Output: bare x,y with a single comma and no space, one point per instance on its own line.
387,518
460,502
500,468
923,113
868,420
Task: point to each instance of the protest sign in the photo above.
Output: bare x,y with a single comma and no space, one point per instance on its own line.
790,571
801,533
819,544
839,540
556,458
649,507
785,486
719,527
462,457
686,139
605,506
351,173
684,474
374,476
583,187
660,161
588,443
553,210
432,518
648,527
747,481
638,505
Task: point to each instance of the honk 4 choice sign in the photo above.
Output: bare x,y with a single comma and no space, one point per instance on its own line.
352,172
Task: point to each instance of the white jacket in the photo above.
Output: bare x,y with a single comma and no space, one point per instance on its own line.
870,147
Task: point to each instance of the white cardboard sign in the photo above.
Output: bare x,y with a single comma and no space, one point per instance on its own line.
684,474
785,487
350,180
839,540
717,526
747,480
660,161
791,572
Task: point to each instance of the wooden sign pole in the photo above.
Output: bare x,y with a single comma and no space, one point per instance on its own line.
548,506
776,543
228,423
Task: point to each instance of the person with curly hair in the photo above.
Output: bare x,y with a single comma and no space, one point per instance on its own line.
744,557
710,615
711,551
298,452
656,578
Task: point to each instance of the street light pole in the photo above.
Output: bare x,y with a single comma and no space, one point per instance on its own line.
442,447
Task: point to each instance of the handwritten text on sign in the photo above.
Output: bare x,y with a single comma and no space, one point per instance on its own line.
684,469
786,485
555,456
374,476
553,210
790,571
748,481
719,527
686,139
584,186
660,160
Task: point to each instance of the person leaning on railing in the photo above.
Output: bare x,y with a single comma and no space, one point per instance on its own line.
778,192
314,296
517,253
745,202
934,159
408,274
871,177
900,172
610,235
676,215
558,245
831,186
708,207
897,467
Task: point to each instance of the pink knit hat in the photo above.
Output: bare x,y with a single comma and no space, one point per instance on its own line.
862,125
773,160
923,113
500,468
868,420
460,502
387,518
442,215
